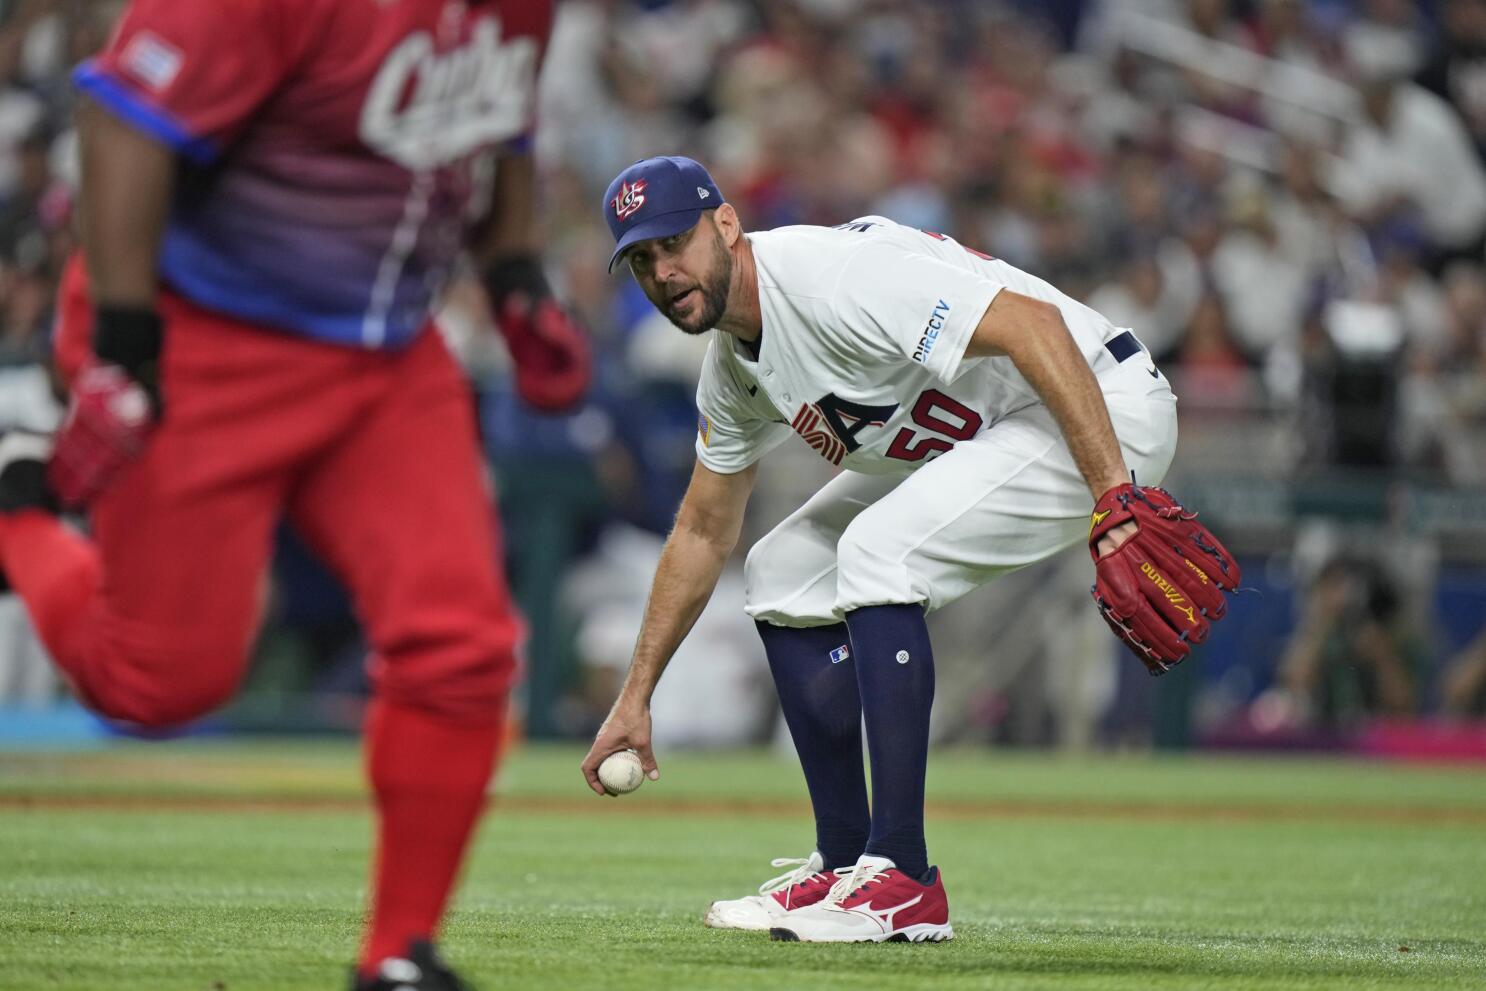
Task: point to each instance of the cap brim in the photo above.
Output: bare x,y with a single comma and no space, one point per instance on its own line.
665,225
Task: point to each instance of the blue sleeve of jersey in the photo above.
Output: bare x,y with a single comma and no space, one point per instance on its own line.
139,113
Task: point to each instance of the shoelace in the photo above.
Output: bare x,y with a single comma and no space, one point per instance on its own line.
858,876
788,879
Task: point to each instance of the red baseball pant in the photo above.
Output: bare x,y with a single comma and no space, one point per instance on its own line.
372,456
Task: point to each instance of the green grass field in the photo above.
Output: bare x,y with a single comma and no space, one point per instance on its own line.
213,866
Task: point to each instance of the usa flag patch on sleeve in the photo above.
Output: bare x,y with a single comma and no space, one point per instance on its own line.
152,60
704,429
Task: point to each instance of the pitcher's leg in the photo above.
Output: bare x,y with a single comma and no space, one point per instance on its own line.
1007,498
790,576
895,675
815,676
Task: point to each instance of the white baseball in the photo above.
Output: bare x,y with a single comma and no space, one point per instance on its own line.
621,773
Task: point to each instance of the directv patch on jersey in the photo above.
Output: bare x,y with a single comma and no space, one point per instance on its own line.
152,60
931,332
704,429
840,654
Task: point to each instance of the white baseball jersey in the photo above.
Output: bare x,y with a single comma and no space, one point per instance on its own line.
863,350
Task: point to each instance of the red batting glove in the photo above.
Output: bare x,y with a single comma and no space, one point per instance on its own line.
553,365
109,419
113,409
550,352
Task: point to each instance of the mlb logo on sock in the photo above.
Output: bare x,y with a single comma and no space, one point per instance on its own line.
840,654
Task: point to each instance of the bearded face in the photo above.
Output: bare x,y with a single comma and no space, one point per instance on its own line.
686,276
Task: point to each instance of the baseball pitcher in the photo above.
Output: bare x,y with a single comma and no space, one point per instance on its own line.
979,415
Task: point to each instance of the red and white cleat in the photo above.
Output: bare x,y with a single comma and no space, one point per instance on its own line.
805,885
873,903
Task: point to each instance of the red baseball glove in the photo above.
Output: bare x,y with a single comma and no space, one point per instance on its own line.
1162,589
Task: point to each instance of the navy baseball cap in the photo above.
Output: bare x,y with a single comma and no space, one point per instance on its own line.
657,198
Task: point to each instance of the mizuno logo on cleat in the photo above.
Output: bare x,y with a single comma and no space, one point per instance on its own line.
884,918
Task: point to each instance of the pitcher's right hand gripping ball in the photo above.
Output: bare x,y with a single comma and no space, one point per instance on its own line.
621,773
1161,590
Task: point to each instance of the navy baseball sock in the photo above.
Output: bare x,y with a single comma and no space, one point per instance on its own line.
818,692
895,674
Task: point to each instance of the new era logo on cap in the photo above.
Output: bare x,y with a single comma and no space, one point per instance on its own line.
656,198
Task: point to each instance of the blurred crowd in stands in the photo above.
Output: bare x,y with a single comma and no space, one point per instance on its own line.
1286,199
1280,196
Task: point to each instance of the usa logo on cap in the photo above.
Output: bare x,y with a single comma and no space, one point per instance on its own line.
631,197
674,192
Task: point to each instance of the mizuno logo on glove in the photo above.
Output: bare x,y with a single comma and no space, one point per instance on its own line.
1154,594
1172,595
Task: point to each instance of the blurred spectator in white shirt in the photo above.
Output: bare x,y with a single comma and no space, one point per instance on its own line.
1458,70
1264,289
1154,295
1408,151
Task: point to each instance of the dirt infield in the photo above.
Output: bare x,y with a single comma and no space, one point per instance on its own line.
583,804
